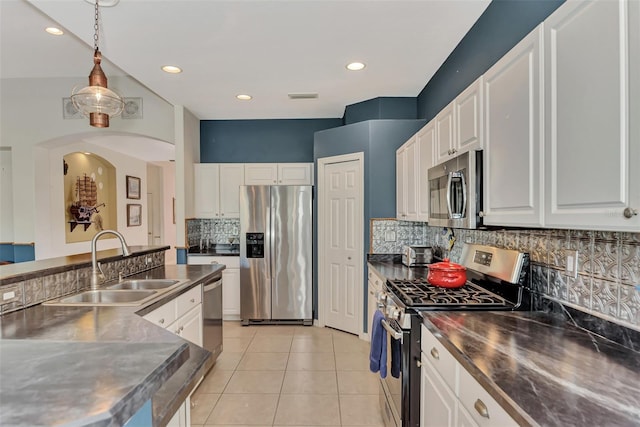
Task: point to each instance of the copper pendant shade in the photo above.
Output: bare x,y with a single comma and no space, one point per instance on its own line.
96,100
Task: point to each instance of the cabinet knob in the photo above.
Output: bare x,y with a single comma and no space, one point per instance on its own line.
274,181
481,214
193,300
435,353
481,408
630,212
161,321
419,363
221,214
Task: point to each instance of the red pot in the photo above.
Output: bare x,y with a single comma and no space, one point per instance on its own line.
447,274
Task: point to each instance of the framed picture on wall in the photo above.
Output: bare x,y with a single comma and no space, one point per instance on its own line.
134,215
133,187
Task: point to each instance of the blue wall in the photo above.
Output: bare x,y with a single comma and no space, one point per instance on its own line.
502,25
379,140
381,108
260,141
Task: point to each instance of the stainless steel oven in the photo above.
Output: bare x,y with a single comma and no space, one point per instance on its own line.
497,280
455,192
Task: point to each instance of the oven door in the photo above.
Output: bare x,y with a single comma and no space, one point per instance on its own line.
391,387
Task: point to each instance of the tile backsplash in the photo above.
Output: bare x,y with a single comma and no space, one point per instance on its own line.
388,236
49,286
211,231
608,280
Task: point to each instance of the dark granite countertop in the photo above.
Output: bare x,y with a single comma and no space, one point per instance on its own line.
535,363
218,249
97,366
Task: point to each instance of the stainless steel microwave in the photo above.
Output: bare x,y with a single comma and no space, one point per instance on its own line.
455,192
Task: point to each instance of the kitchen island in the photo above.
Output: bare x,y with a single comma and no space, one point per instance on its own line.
97,366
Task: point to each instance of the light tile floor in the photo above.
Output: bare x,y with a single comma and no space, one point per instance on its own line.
288,376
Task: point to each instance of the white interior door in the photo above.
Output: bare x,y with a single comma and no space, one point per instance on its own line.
341,279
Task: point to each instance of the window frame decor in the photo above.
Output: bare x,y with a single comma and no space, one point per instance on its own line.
134,185
134,215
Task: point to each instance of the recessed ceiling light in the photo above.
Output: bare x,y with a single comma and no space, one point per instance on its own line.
54,31
172,69
355,66
244,97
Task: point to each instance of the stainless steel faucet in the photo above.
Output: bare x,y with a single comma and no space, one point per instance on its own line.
97,277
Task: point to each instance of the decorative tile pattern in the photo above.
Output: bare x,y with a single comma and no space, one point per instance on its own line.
608,279
605,259
630,304
604,297
205,232
388,236
630,264
580,291
33,291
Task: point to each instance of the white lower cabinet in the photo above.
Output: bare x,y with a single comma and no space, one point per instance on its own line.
182,417
375,285
438,406
183,317
450,396
230,282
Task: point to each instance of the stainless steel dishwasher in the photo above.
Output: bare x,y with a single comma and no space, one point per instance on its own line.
212,316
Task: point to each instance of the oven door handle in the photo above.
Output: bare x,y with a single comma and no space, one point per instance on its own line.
394,334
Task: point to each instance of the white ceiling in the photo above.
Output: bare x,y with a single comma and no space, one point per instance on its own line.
263,48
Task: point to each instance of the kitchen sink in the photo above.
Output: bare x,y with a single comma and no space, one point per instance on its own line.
107,297
144,284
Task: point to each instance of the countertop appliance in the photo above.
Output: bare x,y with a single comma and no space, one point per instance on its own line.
212,316
497,279
417,256
455,192
276,254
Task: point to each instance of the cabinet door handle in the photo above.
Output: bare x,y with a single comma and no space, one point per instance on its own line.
177,332
481,408
435,353
629,212
161,321
193,300
419,363
221,214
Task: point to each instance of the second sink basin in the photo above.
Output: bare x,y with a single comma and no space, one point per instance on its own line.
145,284
102,296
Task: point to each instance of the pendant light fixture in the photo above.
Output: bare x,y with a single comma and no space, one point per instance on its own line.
97,101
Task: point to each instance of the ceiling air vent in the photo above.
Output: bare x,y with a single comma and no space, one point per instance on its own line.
302,95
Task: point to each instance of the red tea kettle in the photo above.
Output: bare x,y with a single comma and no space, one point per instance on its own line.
447,274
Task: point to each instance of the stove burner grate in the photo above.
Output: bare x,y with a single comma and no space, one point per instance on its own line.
419,293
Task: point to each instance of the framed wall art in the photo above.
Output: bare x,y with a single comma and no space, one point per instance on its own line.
133,187
134,215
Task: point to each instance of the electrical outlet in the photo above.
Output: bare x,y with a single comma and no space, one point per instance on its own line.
8,295
390,236
148,260
571,263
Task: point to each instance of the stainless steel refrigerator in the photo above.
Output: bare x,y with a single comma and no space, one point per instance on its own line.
276,253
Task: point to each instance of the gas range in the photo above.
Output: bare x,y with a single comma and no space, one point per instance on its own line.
497,279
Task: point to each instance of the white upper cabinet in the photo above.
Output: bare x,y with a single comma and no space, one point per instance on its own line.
592,99
426,140
445,133
231,178
468,114
513,132
261,174
207,190
459,125
401,182
295,173
278,174
217,192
